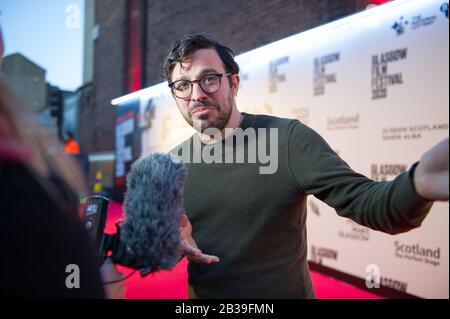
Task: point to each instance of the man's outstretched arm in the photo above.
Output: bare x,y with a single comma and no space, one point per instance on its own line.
391,206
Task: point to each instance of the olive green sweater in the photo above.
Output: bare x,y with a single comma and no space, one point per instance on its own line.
256,223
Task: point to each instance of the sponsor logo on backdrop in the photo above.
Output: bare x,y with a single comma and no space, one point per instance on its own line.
381,79
320,76
343,122
417,253
387,172
355,232
393,284
400,26
302,114
412,132
444,9
320,253
275,75
419,21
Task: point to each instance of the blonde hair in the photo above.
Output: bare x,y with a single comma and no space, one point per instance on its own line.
21,126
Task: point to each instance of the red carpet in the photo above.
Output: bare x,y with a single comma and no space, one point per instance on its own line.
173,284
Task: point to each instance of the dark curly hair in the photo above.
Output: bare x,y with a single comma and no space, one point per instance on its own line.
189,44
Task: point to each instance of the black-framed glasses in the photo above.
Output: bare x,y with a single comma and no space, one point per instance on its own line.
209,83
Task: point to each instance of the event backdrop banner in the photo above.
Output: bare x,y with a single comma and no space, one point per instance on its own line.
375,86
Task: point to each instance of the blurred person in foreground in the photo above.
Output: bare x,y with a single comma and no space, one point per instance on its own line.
252,224
44,246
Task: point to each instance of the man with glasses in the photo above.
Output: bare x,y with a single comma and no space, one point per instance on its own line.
252,224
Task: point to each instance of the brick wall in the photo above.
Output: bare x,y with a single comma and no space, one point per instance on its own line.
97,116
241,24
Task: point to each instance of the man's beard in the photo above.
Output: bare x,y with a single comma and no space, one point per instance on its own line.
205,121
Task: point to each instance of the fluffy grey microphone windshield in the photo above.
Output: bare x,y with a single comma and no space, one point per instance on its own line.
154,204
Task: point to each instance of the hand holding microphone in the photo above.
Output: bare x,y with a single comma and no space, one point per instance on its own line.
156,230
153,208
155,233
113,280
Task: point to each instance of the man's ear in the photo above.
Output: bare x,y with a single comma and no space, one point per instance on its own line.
235,81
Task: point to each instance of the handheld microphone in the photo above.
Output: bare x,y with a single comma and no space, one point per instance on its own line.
149,238
94,220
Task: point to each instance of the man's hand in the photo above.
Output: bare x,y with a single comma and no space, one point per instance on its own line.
113,280
189,247
431,174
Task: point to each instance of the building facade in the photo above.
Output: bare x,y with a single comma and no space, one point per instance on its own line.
26,79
